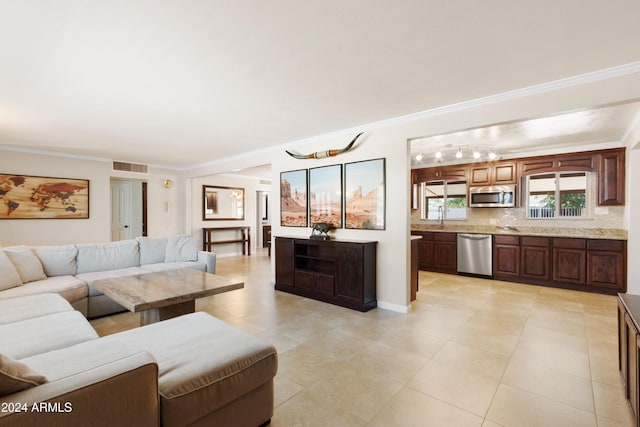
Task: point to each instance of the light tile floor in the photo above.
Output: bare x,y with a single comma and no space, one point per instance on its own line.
473,352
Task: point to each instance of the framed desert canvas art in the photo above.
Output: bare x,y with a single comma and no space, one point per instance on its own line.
293,198
365,194
37,197
325,195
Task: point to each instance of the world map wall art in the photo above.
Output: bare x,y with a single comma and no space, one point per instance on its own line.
37,197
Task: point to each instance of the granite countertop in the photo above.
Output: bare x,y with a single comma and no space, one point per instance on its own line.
587,233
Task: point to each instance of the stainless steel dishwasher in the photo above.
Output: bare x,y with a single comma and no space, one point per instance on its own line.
475,254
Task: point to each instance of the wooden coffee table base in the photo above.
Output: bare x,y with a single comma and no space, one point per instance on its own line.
154,315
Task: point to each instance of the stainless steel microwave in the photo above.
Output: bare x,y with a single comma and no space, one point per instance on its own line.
496,196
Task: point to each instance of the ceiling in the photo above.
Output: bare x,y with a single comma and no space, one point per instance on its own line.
182,83
598,127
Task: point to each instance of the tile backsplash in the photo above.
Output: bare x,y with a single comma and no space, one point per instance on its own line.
609,217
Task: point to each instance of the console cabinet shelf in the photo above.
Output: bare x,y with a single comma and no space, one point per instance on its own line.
334,271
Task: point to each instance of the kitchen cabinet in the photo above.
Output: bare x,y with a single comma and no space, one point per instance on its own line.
570,261
437,252
493,174
506,257
442,173
535,259
585,264
571,162
334,271
425,251
609,165
628,346
445,256
606,261
611,172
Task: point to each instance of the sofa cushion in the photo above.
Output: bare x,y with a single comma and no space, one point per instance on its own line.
107,256
57,260
89,278
204,363
9,277
181,248
152,249
16,376
42,334
70,288
28,307
164,266
28,265
86,355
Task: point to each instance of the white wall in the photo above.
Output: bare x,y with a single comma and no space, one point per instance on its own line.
97,227
250,185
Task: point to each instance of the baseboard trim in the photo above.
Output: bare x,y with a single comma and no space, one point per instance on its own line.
404,309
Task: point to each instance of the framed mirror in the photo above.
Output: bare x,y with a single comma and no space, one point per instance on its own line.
222,203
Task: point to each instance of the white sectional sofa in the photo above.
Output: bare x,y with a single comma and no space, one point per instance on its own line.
70,270
192,370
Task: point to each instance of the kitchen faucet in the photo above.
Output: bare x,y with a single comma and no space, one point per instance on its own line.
440,217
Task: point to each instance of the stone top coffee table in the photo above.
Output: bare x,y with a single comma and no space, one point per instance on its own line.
164,294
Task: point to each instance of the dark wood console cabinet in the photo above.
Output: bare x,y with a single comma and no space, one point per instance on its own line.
335,271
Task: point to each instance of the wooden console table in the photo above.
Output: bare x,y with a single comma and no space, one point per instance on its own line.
245,238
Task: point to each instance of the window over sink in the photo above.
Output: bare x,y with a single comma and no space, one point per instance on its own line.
444,200
558,195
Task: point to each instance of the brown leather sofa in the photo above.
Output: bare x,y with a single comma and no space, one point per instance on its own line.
193,370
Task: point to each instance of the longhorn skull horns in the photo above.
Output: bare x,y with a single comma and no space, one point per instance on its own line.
325,154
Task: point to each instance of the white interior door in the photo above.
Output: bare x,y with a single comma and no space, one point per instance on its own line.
121,210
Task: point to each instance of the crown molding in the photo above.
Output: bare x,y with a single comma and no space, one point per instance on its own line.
582,79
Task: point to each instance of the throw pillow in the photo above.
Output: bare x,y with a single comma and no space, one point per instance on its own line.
181,248
16,376
28,265
58,260
9,277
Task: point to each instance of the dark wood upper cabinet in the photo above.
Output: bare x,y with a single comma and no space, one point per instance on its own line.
611,171
493,174
505,173
536,165
442,173
480,175
608,164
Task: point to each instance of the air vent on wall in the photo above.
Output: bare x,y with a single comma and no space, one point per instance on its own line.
265,181
130,167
